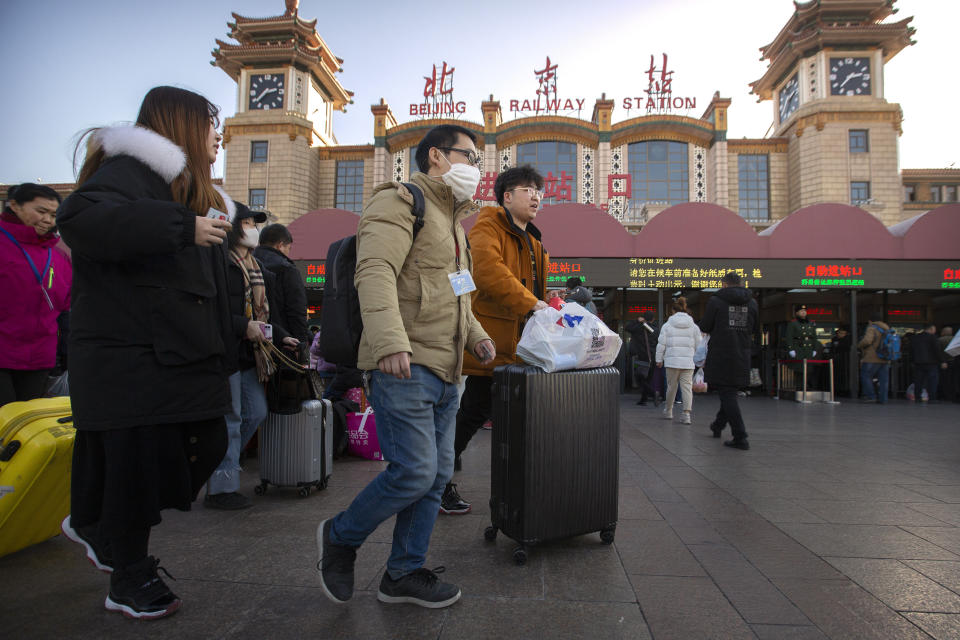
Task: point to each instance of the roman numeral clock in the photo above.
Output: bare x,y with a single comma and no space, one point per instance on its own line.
266,91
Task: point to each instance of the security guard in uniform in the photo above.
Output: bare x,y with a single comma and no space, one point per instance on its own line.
800,343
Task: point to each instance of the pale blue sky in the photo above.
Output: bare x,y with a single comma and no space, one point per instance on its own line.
69,64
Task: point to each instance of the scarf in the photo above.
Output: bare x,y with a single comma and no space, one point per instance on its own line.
255,307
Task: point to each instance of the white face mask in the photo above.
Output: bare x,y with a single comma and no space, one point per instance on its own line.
463,179
250,238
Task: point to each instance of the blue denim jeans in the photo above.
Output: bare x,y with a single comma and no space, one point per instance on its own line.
249,400
869,371
416,421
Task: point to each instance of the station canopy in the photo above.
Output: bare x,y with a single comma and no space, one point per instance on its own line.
690,245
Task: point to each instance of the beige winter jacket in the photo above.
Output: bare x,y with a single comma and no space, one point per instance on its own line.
406,299
870,342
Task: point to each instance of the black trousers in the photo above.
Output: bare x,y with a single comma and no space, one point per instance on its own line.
926,376
476,407
950,381
345,379
644,382
17,385
730,413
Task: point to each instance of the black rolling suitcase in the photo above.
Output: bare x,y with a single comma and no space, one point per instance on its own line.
554,454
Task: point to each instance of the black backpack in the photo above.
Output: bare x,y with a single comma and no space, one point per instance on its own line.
340,320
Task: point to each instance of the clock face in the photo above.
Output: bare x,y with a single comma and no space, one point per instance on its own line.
266,91
789,97
850,76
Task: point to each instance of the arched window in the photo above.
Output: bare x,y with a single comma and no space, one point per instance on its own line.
557,162
658,172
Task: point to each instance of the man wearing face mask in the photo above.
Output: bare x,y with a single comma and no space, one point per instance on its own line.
417,322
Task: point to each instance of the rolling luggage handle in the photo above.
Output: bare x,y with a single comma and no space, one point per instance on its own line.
8,449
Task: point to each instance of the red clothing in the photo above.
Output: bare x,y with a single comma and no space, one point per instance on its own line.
28,326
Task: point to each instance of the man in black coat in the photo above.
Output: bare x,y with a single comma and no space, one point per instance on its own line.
273,252
926,363
643,347
731,320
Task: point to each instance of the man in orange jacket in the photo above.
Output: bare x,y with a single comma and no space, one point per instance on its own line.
510,271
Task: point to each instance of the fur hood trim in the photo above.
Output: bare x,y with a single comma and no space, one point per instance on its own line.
231,205
149,147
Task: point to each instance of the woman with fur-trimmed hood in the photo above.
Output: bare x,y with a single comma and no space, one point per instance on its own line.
150,322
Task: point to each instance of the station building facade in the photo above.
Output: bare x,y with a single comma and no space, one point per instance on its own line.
834,133
818,213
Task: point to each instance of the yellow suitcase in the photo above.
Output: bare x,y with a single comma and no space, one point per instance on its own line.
36,450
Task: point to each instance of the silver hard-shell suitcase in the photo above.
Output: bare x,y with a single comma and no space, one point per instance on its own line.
297,450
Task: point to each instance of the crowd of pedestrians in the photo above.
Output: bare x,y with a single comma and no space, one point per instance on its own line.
176,298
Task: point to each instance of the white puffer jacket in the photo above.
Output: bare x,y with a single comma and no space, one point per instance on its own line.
679,338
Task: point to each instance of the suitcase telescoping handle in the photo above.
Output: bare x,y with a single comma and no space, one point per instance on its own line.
8,450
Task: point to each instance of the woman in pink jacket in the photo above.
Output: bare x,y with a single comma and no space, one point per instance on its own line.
35,281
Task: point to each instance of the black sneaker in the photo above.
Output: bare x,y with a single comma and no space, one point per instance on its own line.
335,564
451,503
422,587
737,444
232,501
138,591
97,552
716,429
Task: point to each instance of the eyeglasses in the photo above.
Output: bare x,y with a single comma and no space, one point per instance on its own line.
472,157
530,191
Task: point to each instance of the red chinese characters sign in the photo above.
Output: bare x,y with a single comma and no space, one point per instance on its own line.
545,97
820,312
833,275
659,91
560,270
438,94
485,191
951,278
558,189
313,272
637,309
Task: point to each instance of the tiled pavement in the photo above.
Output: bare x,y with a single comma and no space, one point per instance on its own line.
841,522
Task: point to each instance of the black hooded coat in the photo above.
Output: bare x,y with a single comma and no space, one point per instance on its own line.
731,320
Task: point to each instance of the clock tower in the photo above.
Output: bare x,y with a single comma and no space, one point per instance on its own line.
825,80
287,91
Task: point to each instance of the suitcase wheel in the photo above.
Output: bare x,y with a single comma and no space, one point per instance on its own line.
520,556
260,489
490,534
304,492
606,536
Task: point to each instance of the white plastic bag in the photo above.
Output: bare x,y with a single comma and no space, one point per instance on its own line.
954,347
59,386
699,382
700,355
571,338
